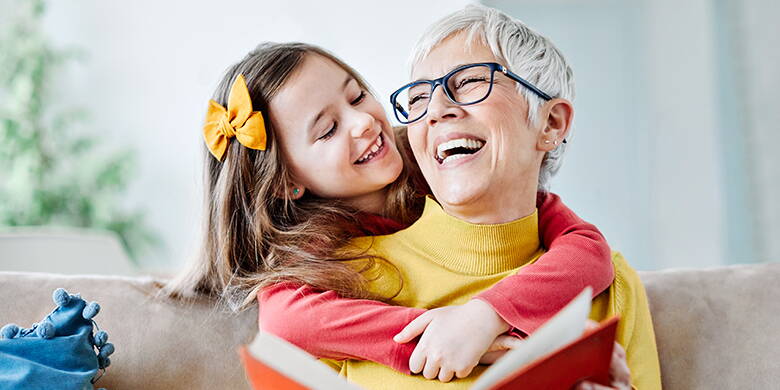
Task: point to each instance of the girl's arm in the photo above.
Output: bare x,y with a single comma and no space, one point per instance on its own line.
578,256
329,326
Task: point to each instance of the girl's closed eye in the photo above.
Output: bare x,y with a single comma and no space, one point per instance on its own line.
359,99
330,132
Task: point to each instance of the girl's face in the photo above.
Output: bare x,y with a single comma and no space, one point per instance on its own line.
335,135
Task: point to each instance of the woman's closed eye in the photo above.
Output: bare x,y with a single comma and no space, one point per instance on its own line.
470,80
416,99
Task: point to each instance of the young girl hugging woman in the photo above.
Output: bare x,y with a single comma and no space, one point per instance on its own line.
300,159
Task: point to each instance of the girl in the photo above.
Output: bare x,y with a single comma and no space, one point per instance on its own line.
330,168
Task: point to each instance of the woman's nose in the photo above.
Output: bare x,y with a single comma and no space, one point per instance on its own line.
440,107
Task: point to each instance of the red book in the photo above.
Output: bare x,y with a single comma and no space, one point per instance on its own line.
557,356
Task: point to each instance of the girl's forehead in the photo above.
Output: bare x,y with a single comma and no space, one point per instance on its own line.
318,70
315,86
316,78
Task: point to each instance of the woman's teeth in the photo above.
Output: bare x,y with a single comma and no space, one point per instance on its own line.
457,148
372,151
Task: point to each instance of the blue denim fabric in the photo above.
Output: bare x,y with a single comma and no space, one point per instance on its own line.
56,353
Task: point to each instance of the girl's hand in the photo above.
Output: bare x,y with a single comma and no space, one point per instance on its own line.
454,339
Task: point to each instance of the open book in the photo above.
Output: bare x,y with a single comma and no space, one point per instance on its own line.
557,356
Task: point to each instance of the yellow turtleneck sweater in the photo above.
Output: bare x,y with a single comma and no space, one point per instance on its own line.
442,261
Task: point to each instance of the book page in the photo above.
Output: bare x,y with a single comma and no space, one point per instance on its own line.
562,329
296,364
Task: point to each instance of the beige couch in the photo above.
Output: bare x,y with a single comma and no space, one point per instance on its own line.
716,328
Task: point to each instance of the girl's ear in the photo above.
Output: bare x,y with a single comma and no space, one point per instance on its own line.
293,191
296,191
557,116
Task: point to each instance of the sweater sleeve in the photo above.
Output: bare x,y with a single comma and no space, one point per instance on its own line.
578,256
327,325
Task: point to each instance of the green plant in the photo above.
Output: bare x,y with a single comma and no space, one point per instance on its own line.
51,171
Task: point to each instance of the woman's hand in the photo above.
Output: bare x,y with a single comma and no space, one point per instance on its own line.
454,339
619,374
501,345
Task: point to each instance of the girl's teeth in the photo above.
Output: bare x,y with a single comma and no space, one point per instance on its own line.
374,148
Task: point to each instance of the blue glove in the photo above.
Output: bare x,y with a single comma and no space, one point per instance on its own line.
58,352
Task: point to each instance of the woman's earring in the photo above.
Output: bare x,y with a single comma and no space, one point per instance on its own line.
547,141
555,143
296,191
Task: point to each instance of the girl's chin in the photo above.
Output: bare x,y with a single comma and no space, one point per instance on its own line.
394,167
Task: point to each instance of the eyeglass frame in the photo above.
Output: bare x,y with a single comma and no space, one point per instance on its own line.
443,82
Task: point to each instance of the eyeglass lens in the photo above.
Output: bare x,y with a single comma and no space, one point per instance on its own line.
467,85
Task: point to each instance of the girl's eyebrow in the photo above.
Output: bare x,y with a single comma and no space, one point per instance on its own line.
346,82
317,117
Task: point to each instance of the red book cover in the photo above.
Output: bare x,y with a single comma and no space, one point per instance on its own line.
586,358
263,377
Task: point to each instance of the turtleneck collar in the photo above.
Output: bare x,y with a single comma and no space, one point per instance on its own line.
470,248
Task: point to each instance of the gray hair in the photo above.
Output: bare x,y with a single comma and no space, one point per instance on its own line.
524,51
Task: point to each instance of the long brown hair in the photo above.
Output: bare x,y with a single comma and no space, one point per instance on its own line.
254,234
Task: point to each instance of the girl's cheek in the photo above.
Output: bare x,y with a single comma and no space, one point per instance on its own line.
338,153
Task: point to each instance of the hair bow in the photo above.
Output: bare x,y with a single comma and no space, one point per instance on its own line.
238,120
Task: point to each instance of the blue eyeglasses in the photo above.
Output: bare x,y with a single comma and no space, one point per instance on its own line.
464,85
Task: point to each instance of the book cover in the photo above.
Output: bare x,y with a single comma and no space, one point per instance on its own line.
557,356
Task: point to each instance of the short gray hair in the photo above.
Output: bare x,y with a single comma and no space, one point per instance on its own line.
524,51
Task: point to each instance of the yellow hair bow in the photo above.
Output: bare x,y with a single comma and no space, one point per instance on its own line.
238,120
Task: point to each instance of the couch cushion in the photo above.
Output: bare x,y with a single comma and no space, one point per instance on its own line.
160,343
717,328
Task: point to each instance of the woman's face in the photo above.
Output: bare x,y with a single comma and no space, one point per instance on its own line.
502,166
335,135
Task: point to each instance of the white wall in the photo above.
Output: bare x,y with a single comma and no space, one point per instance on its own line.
643,164
648,164
153,65
758,42
687,205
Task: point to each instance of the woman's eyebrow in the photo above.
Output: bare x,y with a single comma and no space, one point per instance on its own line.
448,71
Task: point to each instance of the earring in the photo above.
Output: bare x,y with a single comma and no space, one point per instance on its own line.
547,141
296,191
555,143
